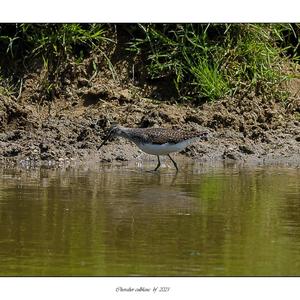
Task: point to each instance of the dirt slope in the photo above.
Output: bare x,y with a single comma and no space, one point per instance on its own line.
67,130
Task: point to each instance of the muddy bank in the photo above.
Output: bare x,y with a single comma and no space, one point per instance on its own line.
55,108
245,128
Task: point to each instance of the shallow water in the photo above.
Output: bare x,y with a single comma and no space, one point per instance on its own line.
102,220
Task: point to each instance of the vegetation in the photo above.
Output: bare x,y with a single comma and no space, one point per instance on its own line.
202,62
24,47
207,61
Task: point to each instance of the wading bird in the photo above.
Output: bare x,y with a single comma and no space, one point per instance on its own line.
157,141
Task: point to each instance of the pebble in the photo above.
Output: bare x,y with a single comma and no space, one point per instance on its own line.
246,149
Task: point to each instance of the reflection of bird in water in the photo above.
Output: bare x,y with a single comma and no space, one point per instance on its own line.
155,194
157,141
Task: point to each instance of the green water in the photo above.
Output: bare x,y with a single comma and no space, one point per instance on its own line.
101,220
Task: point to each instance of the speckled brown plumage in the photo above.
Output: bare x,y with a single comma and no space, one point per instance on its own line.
156,141
162,135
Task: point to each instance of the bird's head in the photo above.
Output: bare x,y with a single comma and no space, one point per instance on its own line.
114,130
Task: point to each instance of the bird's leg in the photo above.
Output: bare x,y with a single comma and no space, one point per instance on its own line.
158,163
104,141
173,161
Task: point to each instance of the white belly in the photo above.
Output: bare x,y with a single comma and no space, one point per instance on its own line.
164,149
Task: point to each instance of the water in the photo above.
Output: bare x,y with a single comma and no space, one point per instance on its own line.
101,220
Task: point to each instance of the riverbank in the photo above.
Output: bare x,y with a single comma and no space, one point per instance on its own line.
241,129
72,81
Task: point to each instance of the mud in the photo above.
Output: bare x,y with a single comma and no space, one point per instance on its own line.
69,129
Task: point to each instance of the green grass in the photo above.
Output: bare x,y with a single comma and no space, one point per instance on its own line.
202,62
52,41
209,61
24,47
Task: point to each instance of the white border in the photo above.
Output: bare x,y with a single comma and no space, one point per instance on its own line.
112,11
180,288
149,11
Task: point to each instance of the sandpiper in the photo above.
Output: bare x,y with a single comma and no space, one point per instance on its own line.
157,141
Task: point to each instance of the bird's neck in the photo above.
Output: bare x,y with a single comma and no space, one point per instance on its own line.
130,134
124,132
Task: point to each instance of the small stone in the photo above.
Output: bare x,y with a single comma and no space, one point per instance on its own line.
3,137
120,158
106,159
246,149
147,121
231,154
195,119
12,151
43,147
83,81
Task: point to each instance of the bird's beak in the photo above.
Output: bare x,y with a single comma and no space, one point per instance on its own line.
105,140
